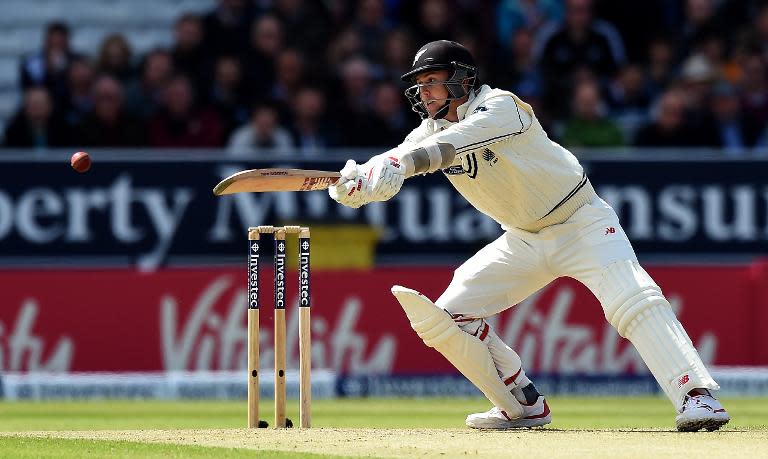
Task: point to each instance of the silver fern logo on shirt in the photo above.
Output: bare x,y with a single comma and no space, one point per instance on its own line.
490,156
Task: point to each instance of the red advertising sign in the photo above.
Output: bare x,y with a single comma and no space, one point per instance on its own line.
194,319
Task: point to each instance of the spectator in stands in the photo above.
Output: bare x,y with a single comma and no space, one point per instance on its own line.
714,48
699,19
372,27
289,75
398,54
356,77
515,67
310,129
436,22
228,95
109,125
639,21
754,88
469,39
48,66
260,58
144,96
309,23
661,64
669,127
352,105
519,73
115,58
347,45
737,58
630,99
179,123
736,130
188,52
697,76
760,30
284,45
588,125
79,101
515,15
262,132
226,28
339,13
34,124
392,121
581,42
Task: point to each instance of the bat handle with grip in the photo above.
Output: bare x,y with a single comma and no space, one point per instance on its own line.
348,172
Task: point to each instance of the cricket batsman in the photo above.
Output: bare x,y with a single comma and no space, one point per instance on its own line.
493,150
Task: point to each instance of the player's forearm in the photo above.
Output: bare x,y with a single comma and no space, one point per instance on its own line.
424,157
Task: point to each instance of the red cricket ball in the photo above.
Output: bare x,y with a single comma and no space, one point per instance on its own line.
80,161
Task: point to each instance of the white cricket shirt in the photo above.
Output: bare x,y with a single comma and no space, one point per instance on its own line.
506,166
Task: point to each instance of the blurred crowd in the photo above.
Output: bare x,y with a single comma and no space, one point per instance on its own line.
308,74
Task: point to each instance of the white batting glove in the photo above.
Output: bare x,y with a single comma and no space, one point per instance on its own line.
353,190
385,177
377,180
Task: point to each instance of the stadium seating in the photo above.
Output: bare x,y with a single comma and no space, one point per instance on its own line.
145,24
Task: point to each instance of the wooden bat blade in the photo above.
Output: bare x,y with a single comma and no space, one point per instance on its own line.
263,180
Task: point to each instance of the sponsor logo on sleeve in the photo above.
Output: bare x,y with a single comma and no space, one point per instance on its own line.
468,166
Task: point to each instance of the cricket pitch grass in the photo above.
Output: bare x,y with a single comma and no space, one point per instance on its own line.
391,428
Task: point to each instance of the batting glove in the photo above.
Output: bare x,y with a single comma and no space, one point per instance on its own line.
353,190
385,177
377,180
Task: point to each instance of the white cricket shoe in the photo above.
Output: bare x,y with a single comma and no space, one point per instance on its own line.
534,415
701,412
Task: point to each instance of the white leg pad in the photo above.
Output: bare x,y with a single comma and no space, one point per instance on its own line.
635,306
466,352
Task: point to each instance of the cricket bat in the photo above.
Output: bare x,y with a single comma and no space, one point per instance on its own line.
263,180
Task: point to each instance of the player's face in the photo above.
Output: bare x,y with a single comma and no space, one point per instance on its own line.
433,93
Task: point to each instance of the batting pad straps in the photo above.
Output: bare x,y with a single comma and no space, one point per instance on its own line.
466,352
430,157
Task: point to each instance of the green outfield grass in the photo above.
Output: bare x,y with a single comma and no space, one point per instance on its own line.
24,448
173,429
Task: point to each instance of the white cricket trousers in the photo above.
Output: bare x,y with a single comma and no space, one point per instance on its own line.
591,247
